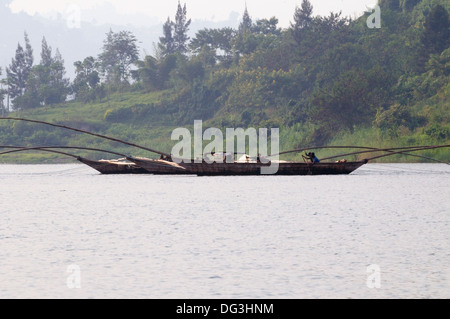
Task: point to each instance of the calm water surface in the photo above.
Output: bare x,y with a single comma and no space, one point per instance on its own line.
224,237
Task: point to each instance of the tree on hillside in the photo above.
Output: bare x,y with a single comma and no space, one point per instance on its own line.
302,19
246,40
216,40
19,69
180,29
48,76
303,16
154,73
86,80
267,26
120,51
46,84
17,73
166,42
246,24
29,59
58,71
436,34
43,71
46,54
55,90
148,72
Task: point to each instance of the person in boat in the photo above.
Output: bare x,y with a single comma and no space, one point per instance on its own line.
258,158
314,158
311,157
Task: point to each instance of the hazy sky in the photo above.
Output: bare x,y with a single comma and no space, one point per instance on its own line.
139,12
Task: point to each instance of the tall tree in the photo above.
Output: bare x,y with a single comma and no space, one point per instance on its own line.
86,80
166,42
17,74
19,69
46,83
246,24
46,54
303,16
180,29
58,69
43,71
29,59
120,51
302,20
57,76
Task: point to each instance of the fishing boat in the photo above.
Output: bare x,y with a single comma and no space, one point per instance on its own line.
166,166
253,166
246,168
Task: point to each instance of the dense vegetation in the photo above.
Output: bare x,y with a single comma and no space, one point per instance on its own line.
323,80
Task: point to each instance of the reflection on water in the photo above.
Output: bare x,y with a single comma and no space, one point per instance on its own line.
224,237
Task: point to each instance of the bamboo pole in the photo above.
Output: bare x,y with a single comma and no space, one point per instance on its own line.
412,150
85,132
20,149
43,150
392,151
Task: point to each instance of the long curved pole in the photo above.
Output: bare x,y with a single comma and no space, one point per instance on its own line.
20,149
43,150
85,132
396,151
342,147
411,150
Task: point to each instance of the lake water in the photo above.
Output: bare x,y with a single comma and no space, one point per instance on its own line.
68,232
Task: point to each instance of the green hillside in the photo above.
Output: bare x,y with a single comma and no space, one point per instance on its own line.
323,81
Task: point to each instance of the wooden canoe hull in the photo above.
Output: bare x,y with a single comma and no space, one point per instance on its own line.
245,169
286,169
110,168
